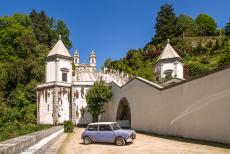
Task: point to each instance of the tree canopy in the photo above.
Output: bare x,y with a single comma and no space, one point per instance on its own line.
185,26
206,25
96,97
227,29
200,54
165,24
24,44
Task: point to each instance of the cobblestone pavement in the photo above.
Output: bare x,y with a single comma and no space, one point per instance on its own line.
144,144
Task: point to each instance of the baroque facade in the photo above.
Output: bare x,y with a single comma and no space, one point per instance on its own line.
197,108
62,96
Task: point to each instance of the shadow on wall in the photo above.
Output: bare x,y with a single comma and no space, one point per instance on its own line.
124,113
83,116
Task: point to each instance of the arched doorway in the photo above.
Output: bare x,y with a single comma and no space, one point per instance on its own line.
124,113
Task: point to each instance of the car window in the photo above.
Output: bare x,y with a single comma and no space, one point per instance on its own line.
92,128
105,128
115,126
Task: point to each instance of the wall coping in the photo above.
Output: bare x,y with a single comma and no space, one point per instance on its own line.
161,88
21,143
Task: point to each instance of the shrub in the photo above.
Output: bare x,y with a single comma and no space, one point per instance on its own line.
68,126
196,68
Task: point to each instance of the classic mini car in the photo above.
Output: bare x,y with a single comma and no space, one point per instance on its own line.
107,132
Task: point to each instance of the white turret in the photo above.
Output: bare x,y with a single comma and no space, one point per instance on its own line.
58,64
76,58
169,64
92,59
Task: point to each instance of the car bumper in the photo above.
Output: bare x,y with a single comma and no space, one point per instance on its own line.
129,140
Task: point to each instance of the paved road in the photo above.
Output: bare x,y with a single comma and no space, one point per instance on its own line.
144,144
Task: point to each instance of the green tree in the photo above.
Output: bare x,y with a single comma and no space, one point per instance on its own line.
97,96
47,29
64,32
185,26
24,45
227,29
165,24
107,62
40,26
206,25
135,59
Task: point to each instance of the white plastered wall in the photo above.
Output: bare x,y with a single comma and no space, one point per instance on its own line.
50,71
63,104
82,115
197,109
46,106
64,63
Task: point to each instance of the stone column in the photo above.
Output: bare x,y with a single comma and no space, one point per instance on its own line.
175,69
55,105
57,70
73,107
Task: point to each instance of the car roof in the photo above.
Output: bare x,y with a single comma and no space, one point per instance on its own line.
102,123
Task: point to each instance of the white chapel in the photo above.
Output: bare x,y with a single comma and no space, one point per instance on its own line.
62,96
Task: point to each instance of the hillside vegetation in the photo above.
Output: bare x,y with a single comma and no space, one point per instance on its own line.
199,42
24,44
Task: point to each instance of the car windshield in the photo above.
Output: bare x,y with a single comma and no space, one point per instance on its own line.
115,126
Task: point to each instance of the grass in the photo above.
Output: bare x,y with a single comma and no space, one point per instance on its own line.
15,129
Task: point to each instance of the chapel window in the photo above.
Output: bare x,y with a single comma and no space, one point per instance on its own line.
64,76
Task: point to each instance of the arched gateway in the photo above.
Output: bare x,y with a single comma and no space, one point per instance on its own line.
124,113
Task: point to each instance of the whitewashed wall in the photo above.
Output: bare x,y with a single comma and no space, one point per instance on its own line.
46,106
180,70
63,105
64,63
197,109
50,71
82,114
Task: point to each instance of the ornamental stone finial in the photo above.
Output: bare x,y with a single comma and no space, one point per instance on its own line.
59,37
76,52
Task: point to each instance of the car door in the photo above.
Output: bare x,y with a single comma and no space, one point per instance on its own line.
105,133
92,132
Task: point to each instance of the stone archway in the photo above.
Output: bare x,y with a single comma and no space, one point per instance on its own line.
124,113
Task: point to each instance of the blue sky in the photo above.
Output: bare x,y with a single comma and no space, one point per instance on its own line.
112,27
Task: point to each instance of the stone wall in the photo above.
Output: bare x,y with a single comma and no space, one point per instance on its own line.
19,144
197,109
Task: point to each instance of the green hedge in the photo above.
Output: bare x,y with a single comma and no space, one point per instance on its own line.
15,129
68,126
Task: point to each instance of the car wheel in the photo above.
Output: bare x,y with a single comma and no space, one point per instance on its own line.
120,141
133,136
86,140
